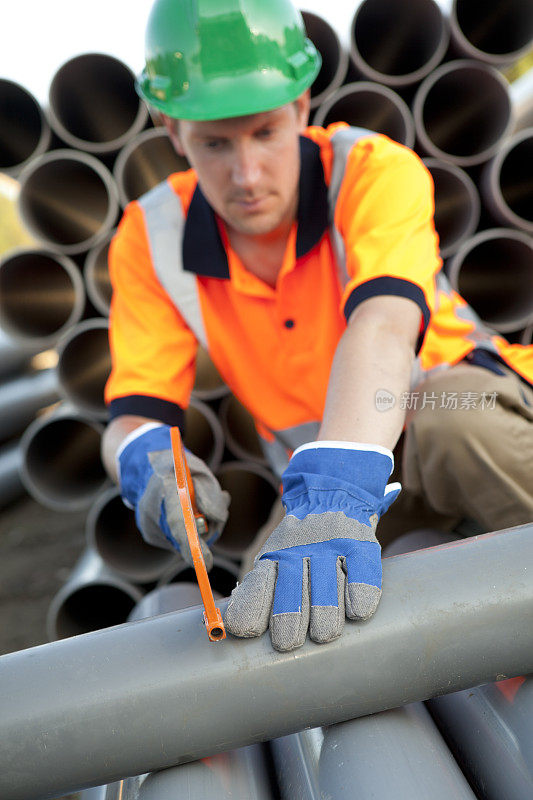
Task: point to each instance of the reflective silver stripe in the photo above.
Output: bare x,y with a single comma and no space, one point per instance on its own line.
342,143
286,441
165,224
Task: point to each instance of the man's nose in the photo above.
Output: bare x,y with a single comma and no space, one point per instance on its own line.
246,169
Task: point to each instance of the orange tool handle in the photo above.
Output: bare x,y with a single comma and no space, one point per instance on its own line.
212,616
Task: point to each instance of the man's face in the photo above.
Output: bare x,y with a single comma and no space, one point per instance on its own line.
248,167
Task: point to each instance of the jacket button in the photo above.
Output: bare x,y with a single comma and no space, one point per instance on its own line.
289,323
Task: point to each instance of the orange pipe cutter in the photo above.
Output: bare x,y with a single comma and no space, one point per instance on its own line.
194,521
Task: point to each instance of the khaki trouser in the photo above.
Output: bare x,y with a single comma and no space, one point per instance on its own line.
467,453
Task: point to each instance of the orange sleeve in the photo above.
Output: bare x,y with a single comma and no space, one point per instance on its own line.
153,352
385,215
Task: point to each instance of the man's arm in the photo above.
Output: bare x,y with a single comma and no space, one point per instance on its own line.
114,435
376,352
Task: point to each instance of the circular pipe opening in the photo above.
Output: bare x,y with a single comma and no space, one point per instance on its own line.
41,295
91,608
145,162
369,105
84,365
253,491
61,462
457,205
24,131
334,57
462,111
499,33
223,576
68,200
493,271
203,433
208,384
508,182
112,530
96,274
239,430
94,105
395,45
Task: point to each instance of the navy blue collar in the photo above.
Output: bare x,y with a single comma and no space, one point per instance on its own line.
203,250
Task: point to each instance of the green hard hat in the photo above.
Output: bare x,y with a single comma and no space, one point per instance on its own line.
213,59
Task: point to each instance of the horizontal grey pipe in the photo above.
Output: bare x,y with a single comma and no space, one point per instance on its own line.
240,433
11,487
334,55
96,275
457,205
493,271
112,532
22,397
397,754
369,105
84,364
203,433
24,129
94,597
253,490
144,162
222,576
208,383
61,465
462,112
156,693
507,182
490,730
497,31
395,47
522,98
68,200
93,105
41,296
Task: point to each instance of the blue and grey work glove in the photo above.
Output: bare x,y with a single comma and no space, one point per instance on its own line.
323,561
148,485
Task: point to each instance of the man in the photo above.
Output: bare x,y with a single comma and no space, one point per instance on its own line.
306,261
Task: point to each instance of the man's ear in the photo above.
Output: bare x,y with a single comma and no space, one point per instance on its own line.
303,109
172,126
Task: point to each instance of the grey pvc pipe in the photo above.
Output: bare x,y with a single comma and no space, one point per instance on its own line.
84,364
24,129
68,200
253,490
223,575
457,205
397,754
507,182
203,433
397,47
156,693
93,598
112,532
462,112
240,433
527,335
493,271
41,296
497,32
93,105
208,384
96,275
144,162
13,357
61,465
11,487
334,55
522,98
22,397
369,105
490,730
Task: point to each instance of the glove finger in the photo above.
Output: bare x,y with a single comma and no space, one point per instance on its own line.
363,581
212,501
148,516
290,616
249,608
327,619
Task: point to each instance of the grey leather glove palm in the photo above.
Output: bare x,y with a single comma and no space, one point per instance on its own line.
148,485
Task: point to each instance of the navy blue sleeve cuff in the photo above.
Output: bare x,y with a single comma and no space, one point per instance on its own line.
151,407
387,286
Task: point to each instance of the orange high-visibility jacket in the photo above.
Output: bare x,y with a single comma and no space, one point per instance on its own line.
364,228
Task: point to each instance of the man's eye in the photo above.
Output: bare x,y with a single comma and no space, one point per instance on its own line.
265,133
213,144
